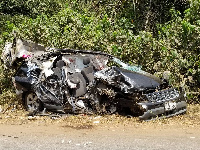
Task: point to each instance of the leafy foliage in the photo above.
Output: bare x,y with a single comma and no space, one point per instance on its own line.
158,35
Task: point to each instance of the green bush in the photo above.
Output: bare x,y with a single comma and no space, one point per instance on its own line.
157,35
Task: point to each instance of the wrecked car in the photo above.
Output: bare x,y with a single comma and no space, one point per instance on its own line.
80,81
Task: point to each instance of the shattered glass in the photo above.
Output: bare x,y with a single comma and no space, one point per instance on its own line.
128,67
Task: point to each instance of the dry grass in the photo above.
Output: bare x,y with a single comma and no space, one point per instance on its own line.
19,116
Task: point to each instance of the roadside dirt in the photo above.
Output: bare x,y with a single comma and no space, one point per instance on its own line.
18,131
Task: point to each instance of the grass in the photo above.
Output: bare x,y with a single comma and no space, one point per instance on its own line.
19,116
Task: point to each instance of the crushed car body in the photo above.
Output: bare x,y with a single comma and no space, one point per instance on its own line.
79,81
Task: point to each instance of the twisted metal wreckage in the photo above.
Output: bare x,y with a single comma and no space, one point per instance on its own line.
78,81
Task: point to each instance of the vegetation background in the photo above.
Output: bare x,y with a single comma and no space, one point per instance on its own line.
159,35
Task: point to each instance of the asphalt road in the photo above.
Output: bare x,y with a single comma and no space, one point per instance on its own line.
56,137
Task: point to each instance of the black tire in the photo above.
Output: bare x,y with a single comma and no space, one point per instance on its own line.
32,103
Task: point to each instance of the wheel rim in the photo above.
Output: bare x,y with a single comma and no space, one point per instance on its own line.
32,102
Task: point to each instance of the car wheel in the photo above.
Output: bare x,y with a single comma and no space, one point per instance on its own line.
32,103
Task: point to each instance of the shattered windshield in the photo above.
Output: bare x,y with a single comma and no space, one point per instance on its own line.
128,67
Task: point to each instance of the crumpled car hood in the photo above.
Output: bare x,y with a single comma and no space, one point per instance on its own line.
139,82
128,81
